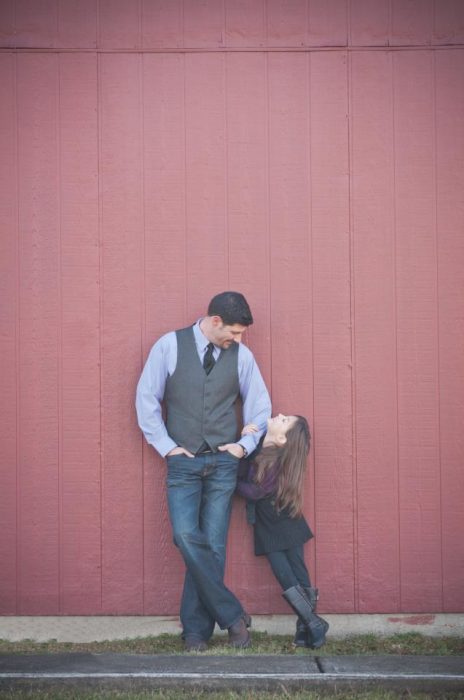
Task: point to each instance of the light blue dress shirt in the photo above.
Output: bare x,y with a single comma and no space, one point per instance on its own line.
161,364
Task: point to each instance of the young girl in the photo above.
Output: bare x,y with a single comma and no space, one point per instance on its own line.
272,479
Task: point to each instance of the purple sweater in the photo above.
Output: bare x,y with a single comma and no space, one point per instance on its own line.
247,488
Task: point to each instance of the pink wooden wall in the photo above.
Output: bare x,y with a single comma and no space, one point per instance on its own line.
309,154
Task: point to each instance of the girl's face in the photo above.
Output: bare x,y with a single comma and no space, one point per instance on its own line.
278,427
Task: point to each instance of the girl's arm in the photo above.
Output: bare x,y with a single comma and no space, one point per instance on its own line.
254,492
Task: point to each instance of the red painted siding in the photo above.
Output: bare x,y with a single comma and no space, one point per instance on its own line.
307,153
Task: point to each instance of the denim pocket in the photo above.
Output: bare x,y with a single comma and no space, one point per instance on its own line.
226,453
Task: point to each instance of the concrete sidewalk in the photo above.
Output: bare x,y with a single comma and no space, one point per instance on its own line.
202,671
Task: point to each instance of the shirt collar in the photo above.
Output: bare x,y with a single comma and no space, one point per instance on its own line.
200,338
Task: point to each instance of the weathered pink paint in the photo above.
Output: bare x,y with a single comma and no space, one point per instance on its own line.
307,153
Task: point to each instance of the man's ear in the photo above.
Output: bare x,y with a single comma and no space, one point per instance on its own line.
216,321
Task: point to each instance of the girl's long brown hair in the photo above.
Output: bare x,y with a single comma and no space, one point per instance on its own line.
292,458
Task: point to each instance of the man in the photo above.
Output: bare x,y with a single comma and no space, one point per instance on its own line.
199,372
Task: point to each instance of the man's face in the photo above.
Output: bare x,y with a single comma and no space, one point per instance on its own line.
223,335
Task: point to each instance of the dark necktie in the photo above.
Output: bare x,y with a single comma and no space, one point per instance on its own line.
208,360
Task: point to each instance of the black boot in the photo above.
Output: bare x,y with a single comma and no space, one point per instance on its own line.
302,636
296,597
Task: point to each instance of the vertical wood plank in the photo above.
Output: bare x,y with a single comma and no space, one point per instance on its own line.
448,22
328,23
248,194
9,335
120,24
204,23
36,23
77,23
330,223
369,22
39,314
290,244
80,341
121,227
245,23
450,224
373,253
162,23
419,457
248,255
7,23
289,228
412,22
207,268
165,295
287,22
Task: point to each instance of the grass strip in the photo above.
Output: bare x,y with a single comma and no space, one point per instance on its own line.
262,643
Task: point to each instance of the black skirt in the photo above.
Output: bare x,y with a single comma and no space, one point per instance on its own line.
275,531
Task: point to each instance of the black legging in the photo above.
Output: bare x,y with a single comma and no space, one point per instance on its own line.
289,567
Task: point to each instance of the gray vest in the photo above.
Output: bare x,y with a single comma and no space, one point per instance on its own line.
201,407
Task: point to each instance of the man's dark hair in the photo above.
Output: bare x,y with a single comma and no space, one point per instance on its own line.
232,307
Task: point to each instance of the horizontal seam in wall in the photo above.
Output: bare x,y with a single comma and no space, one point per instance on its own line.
225,49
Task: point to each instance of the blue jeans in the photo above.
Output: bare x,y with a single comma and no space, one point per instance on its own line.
200,493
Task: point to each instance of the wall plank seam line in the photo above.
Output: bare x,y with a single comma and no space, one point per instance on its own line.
307,13
435,212
266,21
311,267
100,312
142,249
395,311
348,23
390,17
57,25
354,479
59,335
186,210
434,16
17,344
268,209
224,20
97,22
226,167
183,22
233,49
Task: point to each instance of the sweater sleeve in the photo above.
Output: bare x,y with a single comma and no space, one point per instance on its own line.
247,488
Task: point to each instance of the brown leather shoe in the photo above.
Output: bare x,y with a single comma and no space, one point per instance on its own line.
239,637
194,644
